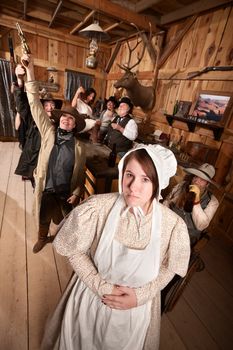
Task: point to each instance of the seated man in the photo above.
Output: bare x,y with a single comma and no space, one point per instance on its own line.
123,130
192,200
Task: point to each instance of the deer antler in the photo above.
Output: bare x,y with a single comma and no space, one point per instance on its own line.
127,66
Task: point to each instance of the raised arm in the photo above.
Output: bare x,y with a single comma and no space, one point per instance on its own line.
76,96
38,113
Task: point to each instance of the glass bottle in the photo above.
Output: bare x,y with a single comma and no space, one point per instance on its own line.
112,157
175,108
179,144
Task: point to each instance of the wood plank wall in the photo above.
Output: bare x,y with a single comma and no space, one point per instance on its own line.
62,55
208,42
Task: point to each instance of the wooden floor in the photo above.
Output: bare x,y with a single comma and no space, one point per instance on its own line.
31,284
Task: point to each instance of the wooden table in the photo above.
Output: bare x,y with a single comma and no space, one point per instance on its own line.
100,178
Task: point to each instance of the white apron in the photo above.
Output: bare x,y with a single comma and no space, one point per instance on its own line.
88,324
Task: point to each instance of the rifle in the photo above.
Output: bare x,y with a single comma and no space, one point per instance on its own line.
24,45
208,69
12,60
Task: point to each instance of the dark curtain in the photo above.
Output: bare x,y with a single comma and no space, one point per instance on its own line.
7,110
74,80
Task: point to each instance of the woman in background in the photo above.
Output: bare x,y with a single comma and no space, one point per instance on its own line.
83,99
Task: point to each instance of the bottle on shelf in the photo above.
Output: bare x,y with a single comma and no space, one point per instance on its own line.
170,141
175,108
179,144
112,157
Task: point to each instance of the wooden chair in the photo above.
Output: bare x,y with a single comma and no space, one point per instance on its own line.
172,292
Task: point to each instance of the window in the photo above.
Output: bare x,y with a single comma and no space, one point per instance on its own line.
74,80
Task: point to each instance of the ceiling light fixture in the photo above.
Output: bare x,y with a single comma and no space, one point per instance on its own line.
95,33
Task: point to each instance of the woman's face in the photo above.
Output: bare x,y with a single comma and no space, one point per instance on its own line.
67,122
137,187
90,97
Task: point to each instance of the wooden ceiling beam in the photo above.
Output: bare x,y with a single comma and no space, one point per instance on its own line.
115,11
25,4
113,56
195,8
125,3
145,4
79,25
59,5
114,25
37,29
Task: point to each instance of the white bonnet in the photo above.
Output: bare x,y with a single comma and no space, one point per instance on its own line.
164,161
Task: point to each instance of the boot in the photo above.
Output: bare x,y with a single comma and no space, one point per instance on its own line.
42,241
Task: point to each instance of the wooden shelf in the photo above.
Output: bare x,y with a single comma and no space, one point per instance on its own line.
192,123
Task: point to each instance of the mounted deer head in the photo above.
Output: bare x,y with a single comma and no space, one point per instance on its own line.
141,96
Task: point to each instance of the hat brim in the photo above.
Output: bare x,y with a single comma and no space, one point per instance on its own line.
200,174
58,103
115,102
79,120
127,101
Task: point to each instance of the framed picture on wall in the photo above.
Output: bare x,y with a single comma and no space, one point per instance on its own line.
212,107
183,108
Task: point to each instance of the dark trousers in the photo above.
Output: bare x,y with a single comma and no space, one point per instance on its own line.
54,207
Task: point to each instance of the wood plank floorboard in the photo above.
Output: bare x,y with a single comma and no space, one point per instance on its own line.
169,338
13,290
214,320
31,284
217,256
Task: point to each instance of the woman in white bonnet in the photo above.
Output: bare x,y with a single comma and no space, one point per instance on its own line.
124,248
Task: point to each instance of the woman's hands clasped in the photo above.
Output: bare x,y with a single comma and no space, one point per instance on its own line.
122,298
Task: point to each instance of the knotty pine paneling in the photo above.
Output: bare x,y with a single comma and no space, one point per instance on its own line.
207,43
61,55
225,50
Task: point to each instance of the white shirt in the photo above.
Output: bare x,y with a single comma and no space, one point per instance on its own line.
131,130
83,108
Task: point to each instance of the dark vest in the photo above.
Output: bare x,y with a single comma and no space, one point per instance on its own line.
60,167
194,233
123,144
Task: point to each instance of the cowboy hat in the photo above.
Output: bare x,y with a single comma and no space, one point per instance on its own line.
79,120
113,100
205,171
57,102
127,101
